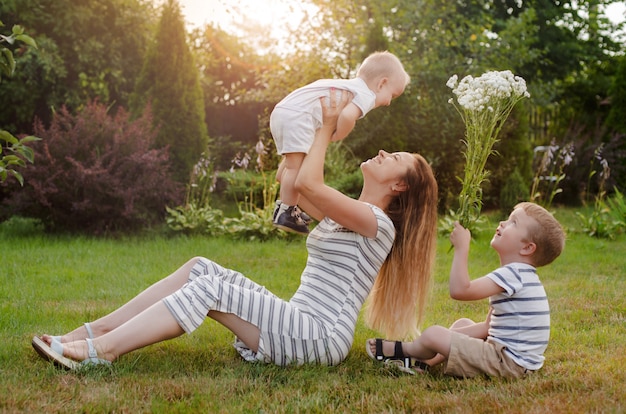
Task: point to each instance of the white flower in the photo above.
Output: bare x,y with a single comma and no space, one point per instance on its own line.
567,159
484,103
452,81
606,171
567,154
485,91
259,148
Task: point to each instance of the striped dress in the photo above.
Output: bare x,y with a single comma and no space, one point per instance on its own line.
317,324
521,315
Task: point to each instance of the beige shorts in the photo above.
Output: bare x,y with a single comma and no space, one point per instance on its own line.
470,357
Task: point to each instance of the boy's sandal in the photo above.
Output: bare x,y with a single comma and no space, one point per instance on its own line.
398,359
421,367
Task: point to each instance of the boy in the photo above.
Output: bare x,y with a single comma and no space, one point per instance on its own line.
511,341
293,122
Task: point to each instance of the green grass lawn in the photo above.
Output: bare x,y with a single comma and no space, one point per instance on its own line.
51,284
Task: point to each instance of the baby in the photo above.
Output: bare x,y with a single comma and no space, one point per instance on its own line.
294,121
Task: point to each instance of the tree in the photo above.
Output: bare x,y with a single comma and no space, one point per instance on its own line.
560,48
92,49
37,88
169,82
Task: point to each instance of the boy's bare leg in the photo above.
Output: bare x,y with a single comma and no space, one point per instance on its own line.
435,339
464,325
433,346
244,330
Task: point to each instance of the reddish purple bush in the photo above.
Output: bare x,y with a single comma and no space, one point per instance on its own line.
96,173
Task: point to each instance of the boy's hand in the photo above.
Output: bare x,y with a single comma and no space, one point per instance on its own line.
460,237
488,318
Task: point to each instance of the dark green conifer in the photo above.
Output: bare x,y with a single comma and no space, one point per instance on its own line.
169,82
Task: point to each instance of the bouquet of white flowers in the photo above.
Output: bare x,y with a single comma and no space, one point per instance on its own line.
484,103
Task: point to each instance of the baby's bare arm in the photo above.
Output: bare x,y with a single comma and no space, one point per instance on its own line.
346,121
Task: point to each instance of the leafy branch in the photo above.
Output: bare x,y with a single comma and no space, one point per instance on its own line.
16,150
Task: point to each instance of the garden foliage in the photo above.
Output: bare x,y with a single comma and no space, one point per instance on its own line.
96,173
254,193
607,220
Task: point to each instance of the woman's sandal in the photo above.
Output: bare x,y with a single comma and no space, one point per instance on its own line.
54,353
398,359
57,338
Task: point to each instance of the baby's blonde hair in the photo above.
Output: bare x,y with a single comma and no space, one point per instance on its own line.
380,64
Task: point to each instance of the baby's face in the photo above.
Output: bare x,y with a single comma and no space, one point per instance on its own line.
388,89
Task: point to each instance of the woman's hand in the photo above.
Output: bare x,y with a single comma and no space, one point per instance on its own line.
320,200
332,107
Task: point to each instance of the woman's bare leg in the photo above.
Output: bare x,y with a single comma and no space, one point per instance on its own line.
153,325
135,306
246,332
146,320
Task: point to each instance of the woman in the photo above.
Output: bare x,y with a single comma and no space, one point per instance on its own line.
383,242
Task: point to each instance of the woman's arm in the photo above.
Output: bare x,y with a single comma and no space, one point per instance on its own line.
325,200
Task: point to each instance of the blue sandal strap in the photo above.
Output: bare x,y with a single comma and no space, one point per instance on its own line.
379,349
397,350
423,366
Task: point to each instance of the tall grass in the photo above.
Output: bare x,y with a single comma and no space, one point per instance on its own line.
55,283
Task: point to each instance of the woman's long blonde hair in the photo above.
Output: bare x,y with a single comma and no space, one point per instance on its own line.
398,299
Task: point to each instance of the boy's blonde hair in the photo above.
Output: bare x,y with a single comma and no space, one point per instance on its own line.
548,234
382,64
